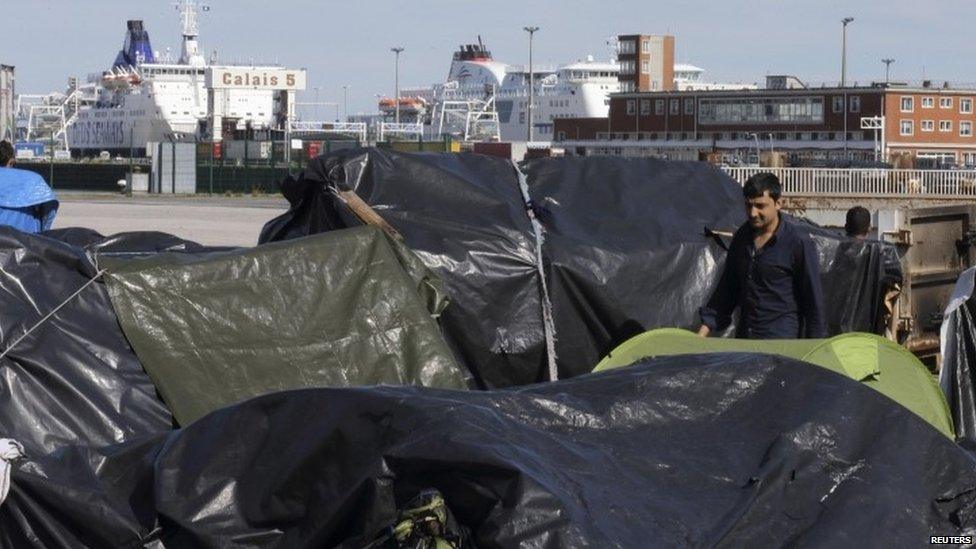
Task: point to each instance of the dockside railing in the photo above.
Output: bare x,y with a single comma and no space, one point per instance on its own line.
867,182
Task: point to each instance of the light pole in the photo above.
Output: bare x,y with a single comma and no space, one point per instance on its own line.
316,110
770,136
843,54
887,63
531,31
396,96
345,103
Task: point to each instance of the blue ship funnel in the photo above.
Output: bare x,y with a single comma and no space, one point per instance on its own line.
136,49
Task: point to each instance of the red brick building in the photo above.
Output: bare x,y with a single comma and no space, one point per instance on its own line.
928,123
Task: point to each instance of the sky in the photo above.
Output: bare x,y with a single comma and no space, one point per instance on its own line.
347,43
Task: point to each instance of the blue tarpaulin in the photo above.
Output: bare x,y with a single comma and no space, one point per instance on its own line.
26,201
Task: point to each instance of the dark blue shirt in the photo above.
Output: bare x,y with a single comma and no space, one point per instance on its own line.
776,288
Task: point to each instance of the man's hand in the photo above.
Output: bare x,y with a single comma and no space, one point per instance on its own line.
704,331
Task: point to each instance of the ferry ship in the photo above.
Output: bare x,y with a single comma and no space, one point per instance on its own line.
579,89
145,97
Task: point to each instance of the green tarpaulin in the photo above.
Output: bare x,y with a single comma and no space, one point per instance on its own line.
344,308
877,362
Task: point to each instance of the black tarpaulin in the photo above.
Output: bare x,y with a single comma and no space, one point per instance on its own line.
73,380
625,246
958,375
464,216
725,450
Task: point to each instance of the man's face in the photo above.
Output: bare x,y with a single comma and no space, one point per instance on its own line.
762,211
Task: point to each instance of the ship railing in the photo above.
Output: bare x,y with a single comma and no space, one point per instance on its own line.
344,128
867,182
404,129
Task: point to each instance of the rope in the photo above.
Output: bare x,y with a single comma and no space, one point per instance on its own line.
548,323
52,313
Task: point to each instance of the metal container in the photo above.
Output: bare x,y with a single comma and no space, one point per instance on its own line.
938,244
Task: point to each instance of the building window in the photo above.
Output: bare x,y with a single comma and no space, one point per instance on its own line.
645,67
560,136
766,110
675,106
907,126
928,102
631,106
907,105
966,129
855,103
838,104
928,125
945,125
645,106
646,46
658,107
945,102
689,106
966,106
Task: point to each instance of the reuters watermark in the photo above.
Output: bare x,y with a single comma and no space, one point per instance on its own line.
950,540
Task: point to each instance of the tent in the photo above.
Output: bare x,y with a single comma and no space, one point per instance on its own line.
874,361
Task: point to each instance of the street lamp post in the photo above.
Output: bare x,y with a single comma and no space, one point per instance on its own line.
396,96
770,136
531,31
316,109
887,63
843,55
345,103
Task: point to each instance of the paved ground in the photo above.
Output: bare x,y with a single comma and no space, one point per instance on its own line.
218,221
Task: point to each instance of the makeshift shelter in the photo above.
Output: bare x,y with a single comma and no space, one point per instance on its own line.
69,378
874,361
958,375
567,258
725,449
331,310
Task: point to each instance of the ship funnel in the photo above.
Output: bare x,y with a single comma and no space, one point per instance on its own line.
136,48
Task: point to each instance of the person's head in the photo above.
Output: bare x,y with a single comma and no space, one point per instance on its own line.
762,193
7,154
858,223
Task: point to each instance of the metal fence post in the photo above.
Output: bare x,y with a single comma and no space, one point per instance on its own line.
172,177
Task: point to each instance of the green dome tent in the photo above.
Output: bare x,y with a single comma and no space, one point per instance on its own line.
877,362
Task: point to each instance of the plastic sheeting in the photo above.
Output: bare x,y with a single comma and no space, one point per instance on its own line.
74,380
625,248
464,216
736,450
958,375
336,309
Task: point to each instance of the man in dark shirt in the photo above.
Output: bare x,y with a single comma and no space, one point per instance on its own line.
771,274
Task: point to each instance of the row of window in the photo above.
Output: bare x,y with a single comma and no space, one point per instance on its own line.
907,127
629,67
965,104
